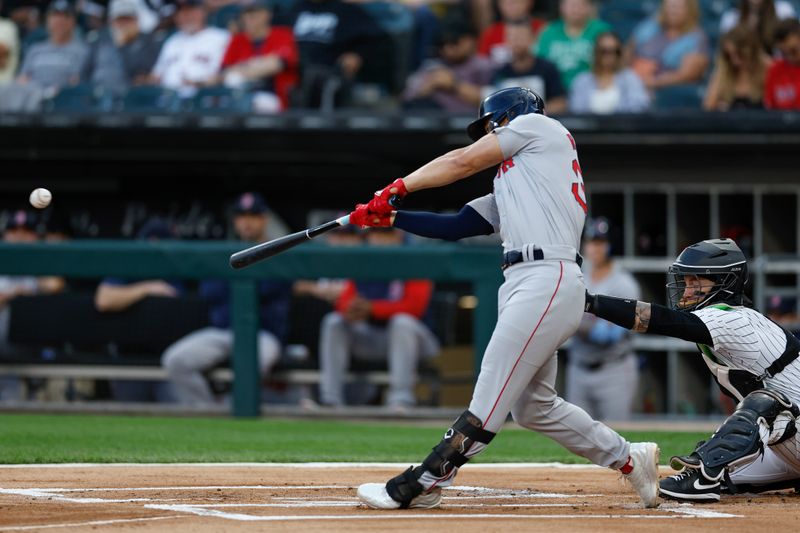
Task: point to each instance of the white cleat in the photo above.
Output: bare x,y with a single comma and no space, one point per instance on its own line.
375,496
644,477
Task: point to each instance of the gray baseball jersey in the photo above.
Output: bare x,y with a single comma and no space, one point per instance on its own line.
538,200
538,190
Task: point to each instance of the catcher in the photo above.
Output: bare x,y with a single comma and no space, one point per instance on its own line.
752,358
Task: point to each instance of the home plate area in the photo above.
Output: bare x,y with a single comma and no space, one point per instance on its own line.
323,498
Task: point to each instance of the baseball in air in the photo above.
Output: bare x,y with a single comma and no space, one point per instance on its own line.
40,198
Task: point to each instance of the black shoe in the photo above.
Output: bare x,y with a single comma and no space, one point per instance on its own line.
689,485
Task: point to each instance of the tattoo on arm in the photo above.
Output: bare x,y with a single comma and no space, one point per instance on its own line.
642,319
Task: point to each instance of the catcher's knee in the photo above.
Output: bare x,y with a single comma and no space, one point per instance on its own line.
762,416
451,452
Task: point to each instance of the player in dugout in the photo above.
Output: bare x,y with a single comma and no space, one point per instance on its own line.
752,358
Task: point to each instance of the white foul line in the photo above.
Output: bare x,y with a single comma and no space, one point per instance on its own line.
92,523
393,516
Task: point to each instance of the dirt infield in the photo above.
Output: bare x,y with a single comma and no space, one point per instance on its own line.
316,498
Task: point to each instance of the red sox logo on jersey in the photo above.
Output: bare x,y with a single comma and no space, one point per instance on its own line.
504,166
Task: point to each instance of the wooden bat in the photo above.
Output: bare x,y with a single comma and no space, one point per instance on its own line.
265,250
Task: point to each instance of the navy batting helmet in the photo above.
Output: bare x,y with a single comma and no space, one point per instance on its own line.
597,229
504,104
719,260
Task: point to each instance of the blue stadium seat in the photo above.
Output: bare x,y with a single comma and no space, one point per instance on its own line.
225,16
625,15
151,99
397,21
689,97
36,36
710,14
80,98
222,99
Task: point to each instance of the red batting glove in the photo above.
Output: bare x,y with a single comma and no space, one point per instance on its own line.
380,204
363,217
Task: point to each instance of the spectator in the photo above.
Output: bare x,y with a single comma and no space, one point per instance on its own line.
121,55
190,58
21,228
333,38
60,60
377,320
760,17
739,73
782,88
26,14
609,87
602,373
9,50
188,358
114,295
526,70
329,290
262,56
568,42
670,53
454,81
493,42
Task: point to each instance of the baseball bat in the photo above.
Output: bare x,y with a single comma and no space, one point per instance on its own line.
265,250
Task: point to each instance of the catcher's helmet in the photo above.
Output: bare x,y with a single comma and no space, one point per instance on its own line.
719,260
505,103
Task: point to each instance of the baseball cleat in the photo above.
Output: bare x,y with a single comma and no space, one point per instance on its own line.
644,477
375,496
690,485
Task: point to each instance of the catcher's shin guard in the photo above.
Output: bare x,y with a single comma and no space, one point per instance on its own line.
450,453
739,438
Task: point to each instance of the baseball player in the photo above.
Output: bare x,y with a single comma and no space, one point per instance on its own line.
539,208
752,358
602,369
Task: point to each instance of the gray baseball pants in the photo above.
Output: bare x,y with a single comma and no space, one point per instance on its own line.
187,359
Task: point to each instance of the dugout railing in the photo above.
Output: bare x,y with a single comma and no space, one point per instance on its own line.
478,266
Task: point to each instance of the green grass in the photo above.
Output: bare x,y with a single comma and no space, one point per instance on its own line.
110,439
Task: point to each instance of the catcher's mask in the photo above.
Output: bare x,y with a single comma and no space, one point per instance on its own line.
501,105
719,260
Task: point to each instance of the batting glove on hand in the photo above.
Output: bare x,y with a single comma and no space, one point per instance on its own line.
364,217
393,192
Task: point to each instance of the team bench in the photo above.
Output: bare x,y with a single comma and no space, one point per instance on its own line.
64,336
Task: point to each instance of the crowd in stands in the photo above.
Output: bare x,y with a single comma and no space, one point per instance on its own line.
605,56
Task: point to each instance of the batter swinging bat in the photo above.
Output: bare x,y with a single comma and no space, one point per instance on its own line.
268,249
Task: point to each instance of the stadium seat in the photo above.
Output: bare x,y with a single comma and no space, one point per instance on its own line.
80,98
391,56
35,36
220,98
151,99
225,17
710,14
679,97
624,15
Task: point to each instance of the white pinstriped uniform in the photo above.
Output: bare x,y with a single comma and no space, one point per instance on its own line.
538,201
744,339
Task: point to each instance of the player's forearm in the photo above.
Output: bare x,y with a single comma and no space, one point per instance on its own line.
443,170
644,317
457,164
110,299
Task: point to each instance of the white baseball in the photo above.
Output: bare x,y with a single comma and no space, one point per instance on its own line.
40,198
